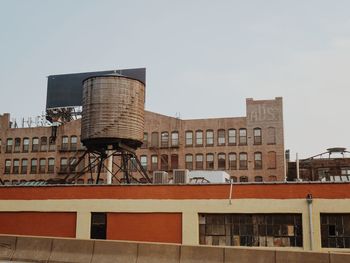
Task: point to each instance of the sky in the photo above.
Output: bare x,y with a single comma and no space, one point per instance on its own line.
203,58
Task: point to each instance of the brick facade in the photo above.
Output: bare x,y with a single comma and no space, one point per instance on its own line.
259,151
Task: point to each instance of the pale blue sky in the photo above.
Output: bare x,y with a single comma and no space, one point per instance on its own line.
203,58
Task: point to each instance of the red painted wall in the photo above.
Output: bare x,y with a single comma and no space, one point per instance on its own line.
150,227
52,224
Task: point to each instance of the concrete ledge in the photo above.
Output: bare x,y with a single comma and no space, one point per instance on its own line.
304,257
70,250
242,255
32,249
339,257
156,253
7,247
114,252
203,254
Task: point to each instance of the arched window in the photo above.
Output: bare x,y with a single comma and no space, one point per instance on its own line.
189,138
271,135
257,136
24,166
15,169
42,166
257,160
221,137
199,138
164,162
43,144
25,145
232,137
34,166
17,148
164,140
189,161
154,162
242,136
9,144
210,161
155,140
221,161
209,138
174,161
271,160
7,166
35,144
199,161
175,139
243,179
258,179
243,161
234,178
232,161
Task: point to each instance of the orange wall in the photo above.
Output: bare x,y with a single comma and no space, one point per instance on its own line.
178,192
151,227
38,223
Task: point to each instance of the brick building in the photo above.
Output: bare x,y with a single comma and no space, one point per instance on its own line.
249,148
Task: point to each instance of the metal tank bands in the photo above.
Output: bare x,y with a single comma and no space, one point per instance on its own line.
113,111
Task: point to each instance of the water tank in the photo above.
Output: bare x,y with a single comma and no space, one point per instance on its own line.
113,111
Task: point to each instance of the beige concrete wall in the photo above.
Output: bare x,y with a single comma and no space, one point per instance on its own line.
189,210
34,249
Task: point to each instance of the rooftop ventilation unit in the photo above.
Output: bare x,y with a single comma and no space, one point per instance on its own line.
181,176
160,177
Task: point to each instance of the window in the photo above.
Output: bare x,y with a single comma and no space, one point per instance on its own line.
51,165
73,143
9,143
232,136
209,138
199,138
98,225
243,161
271,160
210,161
271,135
243,136
164,162
335,230
17,145
199,162
35,144
33,166
175,139
143,160
15,169
221,137
24,166
189,161
73,163
145,141
243,179
189,138
174,161
154,162
25,145
43,144
42,166
64,145
155,140
52,144
221,161
7,166
257,136
63,165
252,230
257,160
234,178
258,179
164,139
232,161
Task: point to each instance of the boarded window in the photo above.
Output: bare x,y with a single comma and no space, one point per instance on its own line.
271,135
174,161
259,230
271,160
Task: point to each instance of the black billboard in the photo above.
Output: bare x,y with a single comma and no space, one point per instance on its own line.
66,89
